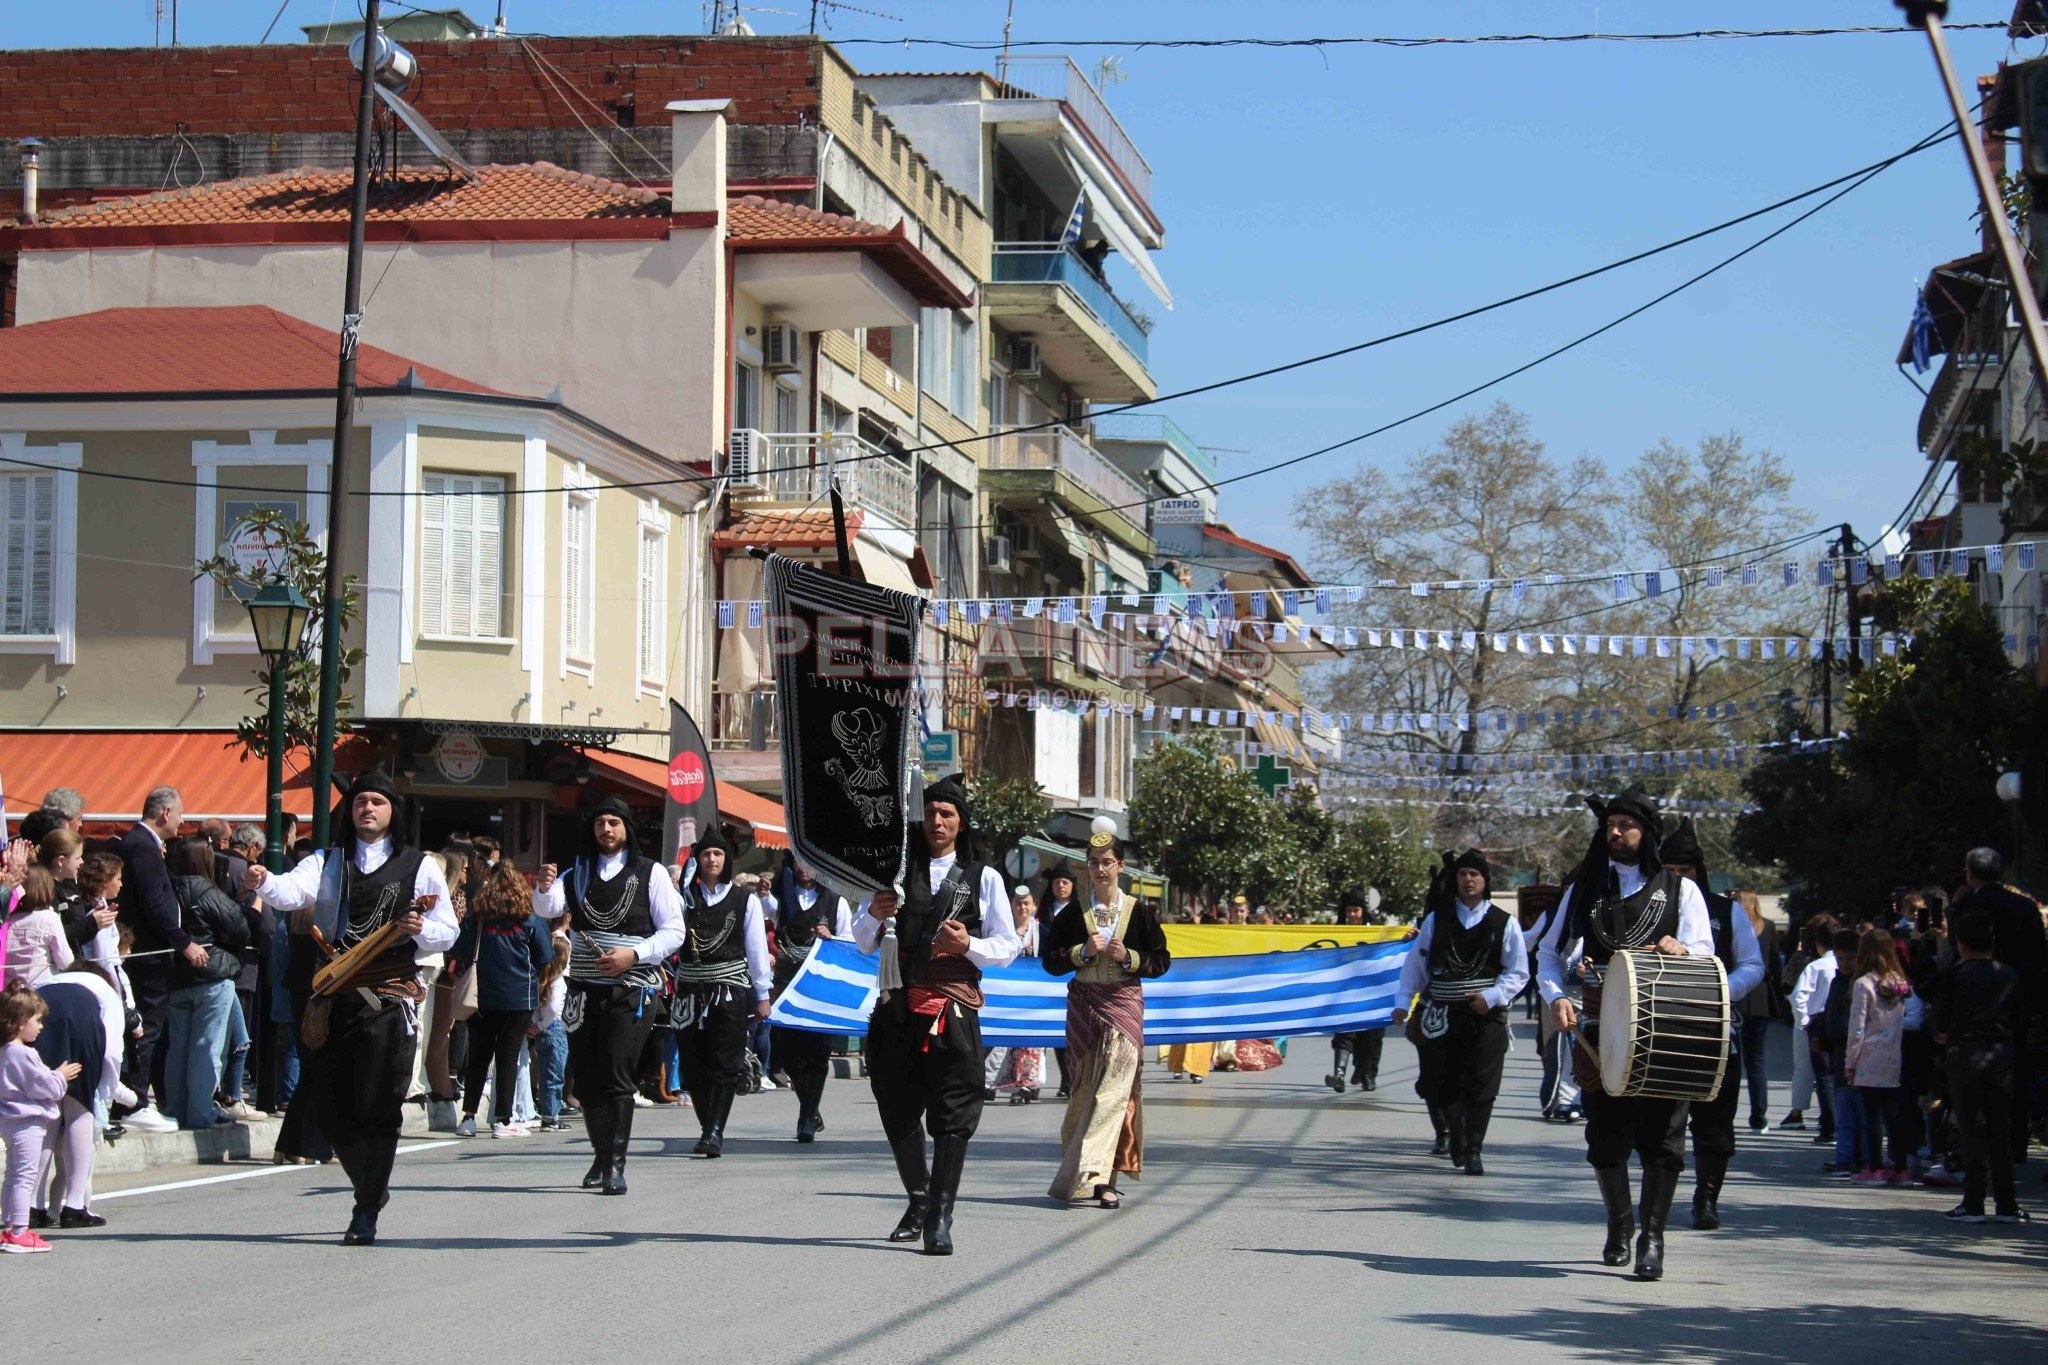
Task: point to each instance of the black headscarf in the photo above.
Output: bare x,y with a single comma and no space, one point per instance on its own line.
1589,879
1474,860
714,837
1062,868
378,781
610,805
1682,846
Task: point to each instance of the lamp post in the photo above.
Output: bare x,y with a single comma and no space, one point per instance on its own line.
278,615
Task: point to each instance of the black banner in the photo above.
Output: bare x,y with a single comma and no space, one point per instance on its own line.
845,674
692,787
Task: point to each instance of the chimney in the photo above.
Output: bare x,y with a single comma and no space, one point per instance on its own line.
31,155
698,152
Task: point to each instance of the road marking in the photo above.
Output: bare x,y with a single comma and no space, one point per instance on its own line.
244,1175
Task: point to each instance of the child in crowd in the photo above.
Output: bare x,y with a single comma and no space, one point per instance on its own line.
1874,1056
30,1092
550,1041
36,945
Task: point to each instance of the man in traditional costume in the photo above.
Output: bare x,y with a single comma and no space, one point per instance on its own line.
1359,1051
1622,897
624,918
722,980
1061,887
1468,961
805,915
1111,944
359,1045
1713,1121
924,1037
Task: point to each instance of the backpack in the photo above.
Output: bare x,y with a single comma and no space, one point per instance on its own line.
1840,992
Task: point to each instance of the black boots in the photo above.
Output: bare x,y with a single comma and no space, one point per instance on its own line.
1473,1119
1706,1194
810,1089
368,1165
1658,1187
1621,1223
618,1134
910,1168
1443,1132
718,1106
1454,1124
597,1123
949,1156
362,1229
1340,1063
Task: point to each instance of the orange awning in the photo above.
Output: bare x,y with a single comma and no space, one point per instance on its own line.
650,776
115,769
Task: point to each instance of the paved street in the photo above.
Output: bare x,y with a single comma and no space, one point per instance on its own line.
1275,1221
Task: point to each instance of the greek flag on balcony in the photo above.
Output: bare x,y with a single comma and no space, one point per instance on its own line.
1072,235
1926,339
1200,999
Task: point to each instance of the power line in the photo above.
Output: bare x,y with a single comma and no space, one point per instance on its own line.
1396,41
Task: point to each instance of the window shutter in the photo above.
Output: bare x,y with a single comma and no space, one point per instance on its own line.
42,586
650,607
575,622
461,556
28,554
488,605
434,557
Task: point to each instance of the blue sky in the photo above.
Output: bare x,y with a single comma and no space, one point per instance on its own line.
1317,198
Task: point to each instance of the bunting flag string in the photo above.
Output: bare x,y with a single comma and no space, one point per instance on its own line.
1574,808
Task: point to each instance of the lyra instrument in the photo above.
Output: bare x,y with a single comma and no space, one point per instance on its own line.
383,957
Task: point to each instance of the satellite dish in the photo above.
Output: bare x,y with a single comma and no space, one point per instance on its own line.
429,136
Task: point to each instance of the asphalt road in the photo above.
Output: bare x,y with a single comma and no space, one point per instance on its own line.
1275,1221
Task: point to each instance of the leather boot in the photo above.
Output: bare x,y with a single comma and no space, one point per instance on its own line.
949,1157
1476,1117
809,1089
1658,1187
1621,1223
1454,1124
619,1131
713,1142
910,1167
1443,1133
1339,1064
1706,1194
597,1122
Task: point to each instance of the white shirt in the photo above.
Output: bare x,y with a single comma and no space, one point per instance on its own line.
301,887
1514,958
807,898
664,903
1810,994
551,1005
113,1021
1557,958
1000,946
760,967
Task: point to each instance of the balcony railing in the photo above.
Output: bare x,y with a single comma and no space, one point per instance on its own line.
1059,450
799,467
1051,263
1961,373
1157,426
745,720
1057,78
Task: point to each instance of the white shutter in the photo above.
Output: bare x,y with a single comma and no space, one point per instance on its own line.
461,556
489,552
575,554
28,554
653,569
434,557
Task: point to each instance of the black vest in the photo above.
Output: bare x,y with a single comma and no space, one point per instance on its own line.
1464,960
374,899
1720,915
621,905
918,919
1612,923
717,931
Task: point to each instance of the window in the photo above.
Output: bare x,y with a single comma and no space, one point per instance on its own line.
653,598
579,574
462,556
28,553
746,395
947,353
789,407
945,515
832,417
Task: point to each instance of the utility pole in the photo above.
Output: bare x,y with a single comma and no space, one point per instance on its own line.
1927,15
1855,616
344,427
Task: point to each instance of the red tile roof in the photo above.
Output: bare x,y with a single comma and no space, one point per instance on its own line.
785,530
182,351
537,191
751,217
1280,558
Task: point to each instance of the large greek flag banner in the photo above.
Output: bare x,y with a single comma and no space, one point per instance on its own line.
1199,1000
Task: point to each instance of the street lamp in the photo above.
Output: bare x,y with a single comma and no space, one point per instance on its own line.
278,615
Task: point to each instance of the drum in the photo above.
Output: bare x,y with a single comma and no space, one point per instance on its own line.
1663,1026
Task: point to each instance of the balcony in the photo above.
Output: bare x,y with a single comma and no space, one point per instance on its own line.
2026,507
800,467
1963,374
1056,78
1156,428
1091,338
1055,462
745,720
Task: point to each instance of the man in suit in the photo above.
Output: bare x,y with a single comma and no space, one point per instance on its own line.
149,907
2019,942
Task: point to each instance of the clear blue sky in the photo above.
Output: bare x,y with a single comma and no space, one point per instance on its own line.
1317,198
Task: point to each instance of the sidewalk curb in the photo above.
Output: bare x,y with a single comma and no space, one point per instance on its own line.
249,1141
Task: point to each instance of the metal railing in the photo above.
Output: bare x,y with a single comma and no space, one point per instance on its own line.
744,720
1157,426
1961,373
1059,450
799,467
1052,263
1043,77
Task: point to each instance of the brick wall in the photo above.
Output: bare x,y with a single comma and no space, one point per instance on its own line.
481,83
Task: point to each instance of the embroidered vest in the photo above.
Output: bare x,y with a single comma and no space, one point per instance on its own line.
1463,960
621,905
1612,923
921,913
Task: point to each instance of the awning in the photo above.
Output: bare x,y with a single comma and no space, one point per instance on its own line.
883,569
650,777
115,769
1102,212
1077,542
1124,566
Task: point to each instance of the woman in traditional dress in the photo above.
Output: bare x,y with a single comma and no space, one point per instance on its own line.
1110,943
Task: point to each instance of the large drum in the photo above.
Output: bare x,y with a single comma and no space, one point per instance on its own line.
1663,1026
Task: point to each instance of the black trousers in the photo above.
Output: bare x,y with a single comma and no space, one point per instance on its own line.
1464,1065
806,1058
142,1069
1652,1129
713,1049
1713,1125
1364,1048
496,1038
359,1078
918,1078
604,1051
1982,1101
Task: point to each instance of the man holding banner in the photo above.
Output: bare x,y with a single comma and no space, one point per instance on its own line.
924,1037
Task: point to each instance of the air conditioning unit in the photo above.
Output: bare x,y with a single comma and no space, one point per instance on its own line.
1024,363
781,348
746,457
998,554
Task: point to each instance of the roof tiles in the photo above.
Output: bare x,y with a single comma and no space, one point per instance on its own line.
753,218
806,530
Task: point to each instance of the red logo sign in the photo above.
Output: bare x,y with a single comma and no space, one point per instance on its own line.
686,778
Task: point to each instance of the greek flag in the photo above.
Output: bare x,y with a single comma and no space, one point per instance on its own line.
1926,337
1199,1000
1070,236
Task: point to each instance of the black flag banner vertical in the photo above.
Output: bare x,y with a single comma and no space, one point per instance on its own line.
692,787
845,673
